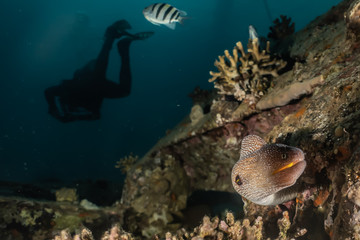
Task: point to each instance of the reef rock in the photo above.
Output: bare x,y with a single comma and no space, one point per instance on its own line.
314,106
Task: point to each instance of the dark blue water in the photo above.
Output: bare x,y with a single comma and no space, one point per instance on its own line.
43,42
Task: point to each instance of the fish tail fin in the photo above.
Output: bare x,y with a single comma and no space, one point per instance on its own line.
181,20
182,13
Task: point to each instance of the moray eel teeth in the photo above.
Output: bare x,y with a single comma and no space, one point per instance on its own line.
266,173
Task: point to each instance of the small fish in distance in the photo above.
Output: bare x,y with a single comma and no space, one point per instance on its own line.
164,14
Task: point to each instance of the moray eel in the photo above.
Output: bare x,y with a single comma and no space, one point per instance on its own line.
266,173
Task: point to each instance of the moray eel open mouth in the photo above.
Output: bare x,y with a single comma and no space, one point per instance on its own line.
286,174
292,164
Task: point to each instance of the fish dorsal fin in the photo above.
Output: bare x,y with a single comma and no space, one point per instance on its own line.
250,144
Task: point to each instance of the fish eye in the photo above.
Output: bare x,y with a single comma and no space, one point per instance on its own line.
238,180
283,156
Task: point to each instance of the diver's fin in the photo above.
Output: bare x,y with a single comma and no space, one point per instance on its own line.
171,25
182,18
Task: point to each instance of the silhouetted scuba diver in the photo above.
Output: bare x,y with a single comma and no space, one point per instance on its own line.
81,97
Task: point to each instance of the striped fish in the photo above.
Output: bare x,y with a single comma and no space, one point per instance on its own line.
163,14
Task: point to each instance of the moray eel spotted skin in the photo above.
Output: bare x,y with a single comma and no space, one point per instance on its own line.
266,173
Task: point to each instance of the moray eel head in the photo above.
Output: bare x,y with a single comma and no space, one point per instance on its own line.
263,170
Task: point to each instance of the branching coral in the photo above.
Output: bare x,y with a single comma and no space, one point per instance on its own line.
216,229
246,76
211,229
115,233
282,28
84,235
126,163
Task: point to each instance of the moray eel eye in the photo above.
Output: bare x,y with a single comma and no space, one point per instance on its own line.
284,156
238,180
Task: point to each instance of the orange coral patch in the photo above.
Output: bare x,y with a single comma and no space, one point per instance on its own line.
343,153
321,198
300,112
355,46
340,58
347,88
84,214
327,46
